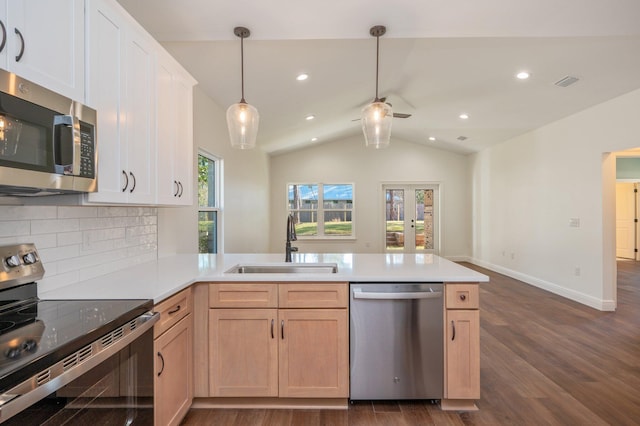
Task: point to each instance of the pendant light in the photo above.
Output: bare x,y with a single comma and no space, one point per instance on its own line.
242,118
376,117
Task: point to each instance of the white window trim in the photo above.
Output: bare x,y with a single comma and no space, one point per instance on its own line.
321,210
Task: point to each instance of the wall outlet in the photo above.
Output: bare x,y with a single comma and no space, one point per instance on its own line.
574,222
577,271
513,256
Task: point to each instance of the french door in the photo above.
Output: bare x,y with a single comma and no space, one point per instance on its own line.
411,218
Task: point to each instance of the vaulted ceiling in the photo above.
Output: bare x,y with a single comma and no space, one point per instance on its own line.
437,60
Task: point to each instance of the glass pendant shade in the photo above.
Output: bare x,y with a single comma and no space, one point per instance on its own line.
376,124
242,122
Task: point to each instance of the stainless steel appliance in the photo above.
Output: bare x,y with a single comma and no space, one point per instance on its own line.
70,361
47,141
396,341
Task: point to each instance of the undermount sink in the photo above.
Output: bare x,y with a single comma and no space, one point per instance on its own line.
284,268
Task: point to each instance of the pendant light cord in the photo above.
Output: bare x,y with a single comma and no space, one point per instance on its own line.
377,65
242,68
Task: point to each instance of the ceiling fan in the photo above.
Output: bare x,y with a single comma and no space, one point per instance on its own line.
395,114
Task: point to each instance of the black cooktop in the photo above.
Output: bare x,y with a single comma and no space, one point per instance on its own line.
38,333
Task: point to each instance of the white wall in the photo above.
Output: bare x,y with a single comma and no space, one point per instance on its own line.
246,190
348,161
524,192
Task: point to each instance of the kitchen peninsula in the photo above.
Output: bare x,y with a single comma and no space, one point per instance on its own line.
208,300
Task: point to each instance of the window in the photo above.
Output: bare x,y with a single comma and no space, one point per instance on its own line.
208,202
322,210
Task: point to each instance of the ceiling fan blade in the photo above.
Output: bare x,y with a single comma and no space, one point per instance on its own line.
395,115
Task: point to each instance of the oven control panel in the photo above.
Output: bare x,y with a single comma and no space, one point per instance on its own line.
20,264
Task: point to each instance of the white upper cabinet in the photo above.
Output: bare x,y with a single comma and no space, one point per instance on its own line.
174,132
43,41
121,87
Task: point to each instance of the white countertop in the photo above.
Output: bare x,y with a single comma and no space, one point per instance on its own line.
166,276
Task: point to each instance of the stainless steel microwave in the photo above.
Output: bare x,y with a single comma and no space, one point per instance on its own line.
47,141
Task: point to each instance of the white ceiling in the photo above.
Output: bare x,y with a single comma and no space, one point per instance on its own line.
437,60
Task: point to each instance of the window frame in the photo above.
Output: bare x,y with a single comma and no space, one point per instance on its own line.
218,197
320,211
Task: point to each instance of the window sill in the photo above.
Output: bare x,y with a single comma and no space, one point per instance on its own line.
302,239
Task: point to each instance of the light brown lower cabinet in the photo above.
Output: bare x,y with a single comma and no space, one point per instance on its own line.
462,347
173,354
243,347
313,353
301,352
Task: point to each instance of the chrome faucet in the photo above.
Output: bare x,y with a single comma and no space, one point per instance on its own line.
291,236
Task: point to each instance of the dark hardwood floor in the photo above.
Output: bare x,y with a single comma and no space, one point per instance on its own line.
545,360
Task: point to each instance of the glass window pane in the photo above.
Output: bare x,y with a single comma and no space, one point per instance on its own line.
207,227
206,182
337,196
338,223
306,223
394,218
303,197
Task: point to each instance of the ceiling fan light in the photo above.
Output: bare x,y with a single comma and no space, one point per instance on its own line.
376,124
242,122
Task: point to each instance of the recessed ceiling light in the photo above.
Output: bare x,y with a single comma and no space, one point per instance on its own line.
310,117
431,138
522,75
314,139
464,116
302,77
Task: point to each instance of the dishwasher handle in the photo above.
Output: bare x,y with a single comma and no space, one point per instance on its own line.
359,294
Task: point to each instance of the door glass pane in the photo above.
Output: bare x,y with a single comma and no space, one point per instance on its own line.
424,219
207,232
394,219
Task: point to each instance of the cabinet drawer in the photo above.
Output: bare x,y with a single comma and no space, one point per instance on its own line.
313,295
172,310
462,296
243,295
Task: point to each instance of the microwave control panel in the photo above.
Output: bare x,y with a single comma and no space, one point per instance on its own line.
87,151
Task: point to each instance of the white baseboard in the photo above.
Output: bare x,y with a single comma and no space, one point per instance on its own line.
576,296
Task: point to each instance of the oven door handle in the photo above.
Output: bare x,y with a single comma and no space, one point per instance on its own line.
29,392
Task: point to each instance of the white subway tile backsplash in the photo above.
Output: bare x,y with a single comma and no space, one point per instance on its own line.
49,226
112,211
78,243
76,212
27,212
68,238
14,228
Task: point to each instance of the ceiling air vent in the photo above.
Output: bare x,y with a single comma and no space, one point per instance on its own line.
462,138
566,81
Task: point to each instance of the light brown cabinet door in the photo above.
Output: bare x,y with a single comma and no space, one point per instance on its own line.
462,379
243,347
314,353
173,373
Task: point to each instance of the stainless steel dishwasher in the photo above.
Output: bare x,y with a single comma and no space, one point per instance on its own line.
396,341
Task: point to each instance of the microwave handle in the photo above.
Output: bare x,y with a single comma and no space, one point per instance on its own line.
66,149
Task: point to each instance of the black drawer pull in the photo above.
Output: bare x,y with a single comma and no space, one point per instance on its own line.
173,311
161,359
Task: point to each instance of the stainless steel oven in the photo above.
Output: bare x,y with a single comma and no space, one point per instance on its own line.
47,141
71,361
